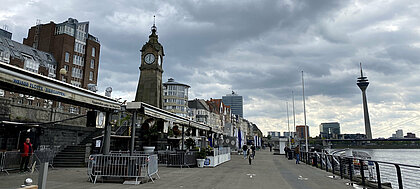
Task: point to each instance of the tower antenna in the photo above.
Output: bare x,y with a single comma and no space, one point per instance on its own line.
361,71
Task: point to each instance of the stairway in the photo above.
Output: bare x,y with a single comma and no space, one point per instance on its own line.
71,156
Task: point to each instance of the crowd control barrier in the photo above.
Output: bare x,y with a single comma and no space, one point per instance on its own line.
11,160
169,158
122,166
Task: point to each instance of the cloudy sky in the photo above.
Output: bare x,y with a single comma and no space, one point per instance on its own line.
258,49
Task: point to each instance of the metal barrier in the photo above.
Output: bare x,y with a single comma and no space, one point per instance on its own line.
11,160
365,171
169,158
46,155
123,166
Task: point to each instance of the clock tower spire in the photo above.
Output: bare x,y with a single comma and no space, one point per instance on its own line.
149,89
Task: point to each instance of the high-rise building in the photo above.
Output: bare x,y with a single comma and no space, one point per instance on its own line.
329,130
399,133
301,131
73,48
175,97
235,102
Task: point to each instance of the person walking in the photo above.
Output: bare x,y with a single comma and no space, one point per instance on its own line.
253,151
271,147
250,155
244,149
297,152
26,154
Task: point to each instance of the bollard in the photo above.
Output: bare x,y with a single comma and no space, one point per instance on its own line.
350,169
362,172
42,179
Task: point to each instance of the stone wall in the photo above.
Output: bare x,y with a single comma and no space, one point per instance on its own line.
10,111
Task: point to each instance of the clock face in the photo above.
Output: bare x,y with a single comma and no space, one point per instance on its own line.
159,60
149,58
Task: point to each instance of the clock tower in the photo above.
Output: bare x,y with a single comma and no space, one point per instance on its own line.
149,89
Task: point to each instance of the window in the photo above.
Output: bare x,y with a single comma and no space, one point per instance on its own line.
92,63
80,48
93,51
78,60
76,83
67,57
66,67
77,73
91,76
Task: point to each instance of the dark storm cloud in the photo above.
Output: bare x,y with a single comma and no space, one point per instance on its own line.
257,48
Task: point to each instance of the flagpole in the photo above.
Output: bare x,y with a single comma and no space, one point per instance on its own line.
288,127
294,115
304,113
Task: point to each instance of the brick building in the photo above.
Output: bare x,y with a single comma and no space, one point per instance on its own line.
72,46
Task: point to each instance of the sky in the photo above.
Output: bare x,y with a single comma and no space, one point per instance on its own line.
259,49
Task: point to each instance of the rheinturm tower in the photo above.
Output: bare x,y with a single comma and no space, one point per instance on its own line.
363,83
149,89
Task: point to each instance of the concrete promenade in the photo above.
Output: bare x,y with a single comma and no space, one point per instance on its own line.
267,171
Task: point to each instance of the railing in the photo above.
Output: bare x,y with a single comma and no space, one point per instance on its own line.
123,166
365,171
11,160
169,158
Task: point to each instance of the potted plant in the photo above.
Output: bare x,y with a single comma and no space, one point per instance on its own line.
149,130
201,157
190,143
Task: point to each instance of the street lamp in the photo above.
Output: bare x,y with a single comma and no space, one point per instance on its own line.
63,71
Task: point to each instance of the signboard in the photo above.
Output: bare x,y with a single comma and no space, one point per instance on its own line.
38,84
98,143
100,120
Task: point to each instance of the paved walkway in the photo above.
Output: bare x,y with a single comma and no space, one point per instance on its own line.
267,171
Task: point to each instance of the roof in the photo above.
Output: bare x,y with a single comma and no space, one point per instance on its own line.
171,81
198,104
20,51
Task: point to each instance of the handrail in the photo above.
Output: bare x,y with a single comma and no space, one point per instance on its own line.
398,174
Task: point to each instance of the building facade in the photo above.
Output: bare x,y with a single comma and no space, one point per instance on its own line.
329,130
289,134
235,102
274,133
301,131
175,97
199,111
73,48
30,59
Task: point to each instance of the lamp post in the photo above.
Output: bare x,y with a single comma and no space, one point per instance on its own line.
304,114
